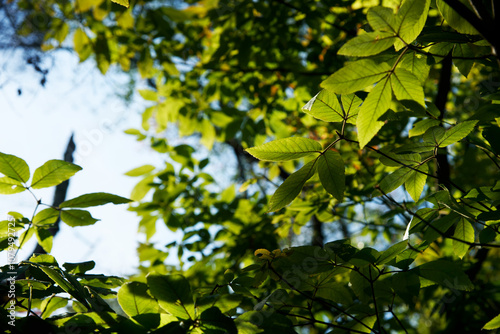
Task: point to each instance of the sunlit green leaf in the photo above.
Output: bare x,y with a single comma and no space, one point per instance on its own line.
94,199
368,44
10,186
292,186
456,21
135,299
393,181
464,232
173,294
445,273
381,18
410,20
325,106
52,173
45,238
420,127
456,133
47,216
121,2
356,76
416,182
406,86
77,218
285,149
14,167
374,106
331,172
493,323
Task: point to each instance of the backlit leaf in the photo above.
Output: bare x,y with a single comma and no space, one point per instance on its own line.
173,294
416,182
285,149
456,133
325,106
465,232
331,171
10,186
368,44
94,199
77,218
493,323
52,173
455,20
14,167
406,86
410,20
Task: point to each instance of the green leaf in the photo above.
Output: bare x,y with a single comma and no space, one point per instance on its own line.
285,149
463,231
439,227
445,273
325,106
213,319
416,181
410,20
173,294
464,65
456,133
368,321
292,186
47,216
14,167
433,135
52,173
351,104
356,76
79,268
396,160
368,44
381,18
392,252
93,199
375,105
417,64
420,127
493,323
455,20
49,305
331,171
10,186
77,218
393,181
140,170
124,3
135,299
406,86
45,238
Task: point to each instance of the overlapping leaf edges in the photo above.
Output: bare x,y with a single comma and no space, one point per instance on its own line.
398,30
329,164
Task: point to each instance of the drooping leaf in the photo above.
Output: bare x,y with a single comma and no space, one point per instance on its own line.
455,20
356,76
331,171
406,86
416,182
465,232
493,323
173,294
285,149
374,106
368,44
456,133
410,20
292,186
46,217
45,238
52,173
14,167
463,50
10,186
325,106
77,218
93,199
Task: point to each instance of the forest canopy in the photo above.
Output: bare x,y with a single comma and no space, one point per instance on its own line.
366,194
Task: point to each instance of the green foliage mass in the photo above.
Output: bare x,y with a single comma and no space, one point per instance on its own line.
365,194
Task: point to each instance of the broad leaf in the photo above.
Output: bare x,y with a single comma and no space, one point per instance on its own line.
135,299
122,2
393,181
10,186
292,186
456,133
45,238
392,252
433,135
410,20
14,167
94,199
331,171
463,231
351,105
52,173
140,170
356,76
173,293
406,86
46,217
77,218
417,64
325,106
285,149
214,320
375,105
416,182
445,273
420,127
455,20
368,44
381,18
